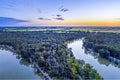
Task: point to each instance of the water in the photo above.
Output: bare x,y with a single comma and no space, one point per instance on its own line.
105,68
12,68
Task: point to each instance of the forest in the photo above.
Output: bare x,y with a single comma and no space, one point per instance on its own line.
48,53
107,45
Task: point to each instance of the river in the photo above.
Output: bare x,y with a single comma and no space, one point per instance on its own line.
12,68
105,68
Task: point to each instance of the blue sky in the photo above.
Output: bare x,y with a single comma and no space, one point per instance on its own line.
59,12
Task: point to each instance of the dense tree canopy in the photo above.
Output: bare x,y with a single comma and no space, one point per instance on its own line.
49,51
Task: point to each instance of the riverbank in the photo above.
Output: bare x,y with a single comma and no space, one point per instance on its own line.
49,51
107,45
13,68
107,69
45,75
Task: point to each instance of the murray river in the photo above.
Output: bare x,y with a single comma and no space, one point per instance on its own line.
13,68
105,68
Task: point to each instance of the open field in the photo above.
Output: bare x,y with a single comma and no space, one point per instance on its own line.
63,29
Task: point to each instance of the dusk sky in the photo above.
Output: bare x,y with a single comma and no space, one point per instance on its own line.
60,12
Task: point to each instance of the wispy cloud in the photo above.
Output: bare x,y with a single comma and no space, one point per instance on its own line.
11,21
9,5
42,18
60,7
58,15
39,10
64,10
59,18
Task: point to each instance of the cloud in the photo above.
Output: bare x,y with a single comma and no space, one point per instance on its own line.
8,5
47,19
64,10
11,21
60,7
59,18
39,10
58,15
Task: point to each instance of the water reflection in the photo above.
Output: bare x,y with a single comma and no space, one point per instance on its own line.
110,61
105,68
12,68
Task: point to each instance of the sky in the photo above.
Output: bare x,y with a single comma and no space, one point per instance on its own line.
60,12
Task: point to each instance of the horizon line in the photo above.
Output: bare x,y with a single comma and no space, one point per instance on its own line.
55,26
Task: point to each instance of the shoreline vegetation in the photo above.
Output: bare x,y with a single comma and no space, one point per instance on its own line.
35,65
106,45
48,53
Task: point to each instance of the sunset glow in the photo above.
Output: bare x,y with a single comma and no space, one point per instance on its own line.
60,12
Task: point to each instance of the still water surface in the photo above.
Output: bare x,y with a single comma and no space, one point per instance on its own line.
106,69
10,67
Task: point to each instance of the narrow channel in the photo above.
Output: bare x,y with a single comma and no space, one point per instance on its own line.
106,69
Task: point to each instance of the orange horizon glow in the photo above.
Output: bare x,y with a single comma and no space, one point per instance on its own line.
97,22
111,22
60,13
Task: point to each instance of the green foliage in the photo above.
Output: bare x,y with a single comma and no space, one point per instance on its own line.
106,44
50,52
